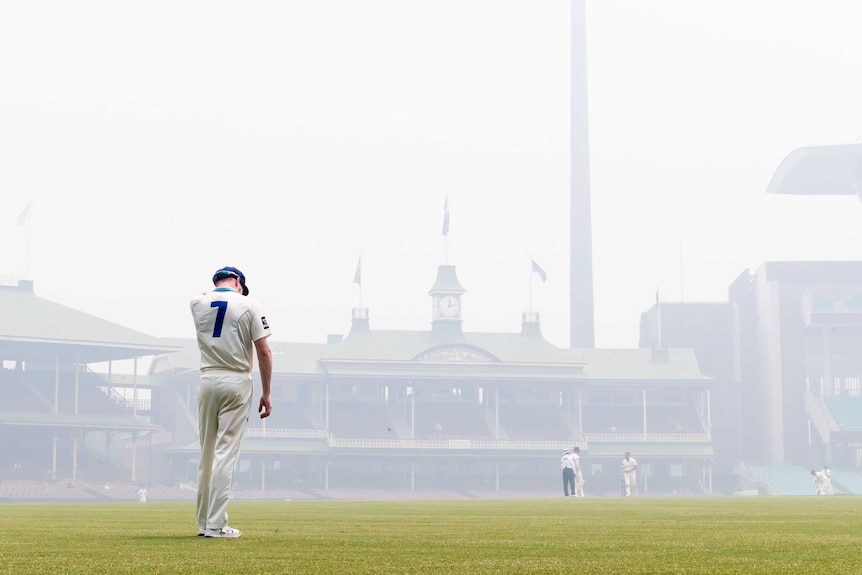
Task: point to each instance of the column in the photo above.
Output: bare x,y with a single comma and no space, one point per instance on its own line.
54,458
135,387
75,456
644,409
134,442
708,415
77,382
497,412
57,384
827,387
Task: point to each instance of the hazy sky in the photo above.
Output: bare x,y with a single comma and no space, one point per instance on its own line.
162,140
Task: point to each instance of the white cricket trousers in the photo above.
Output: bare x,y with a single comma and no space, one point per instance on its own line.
224,402
631,483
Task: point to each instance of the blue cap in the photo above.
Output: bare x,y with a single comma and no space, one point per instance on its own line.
231,272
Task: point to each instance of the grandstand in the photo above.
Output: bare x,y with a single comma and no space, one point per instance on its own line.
847,411
447,413
440,412
780,479
54,405
847,480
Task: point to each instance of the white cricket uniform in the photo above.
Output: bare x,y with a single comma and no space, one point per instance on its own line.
579,476
227,324
567,465
630,475
820,480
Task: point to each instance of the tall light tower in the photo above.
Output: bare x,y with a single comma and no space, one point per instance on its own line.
581,317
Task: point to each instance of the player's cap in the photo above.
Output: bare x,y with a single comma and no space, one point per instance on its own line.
567,451
231,272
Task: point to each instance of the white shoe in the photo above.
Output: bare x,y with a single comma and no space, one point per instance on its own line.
201,532
223,532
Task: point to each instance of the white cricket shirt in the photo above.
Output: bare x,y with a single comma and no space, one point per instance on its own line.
228,323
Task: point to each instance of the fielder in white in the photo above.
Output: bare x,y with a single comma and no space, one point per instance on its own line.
820,482
579,475
827,487
630,468
229,326
567,465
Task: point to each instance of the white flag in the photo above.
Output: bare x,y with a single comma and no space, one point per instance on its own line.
22,217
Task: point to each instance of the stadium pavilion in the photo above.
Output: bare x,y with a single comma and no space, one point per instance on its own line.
58,416
405,411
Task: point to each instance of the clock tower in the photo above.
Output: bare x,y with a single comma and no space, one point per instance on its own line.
446,299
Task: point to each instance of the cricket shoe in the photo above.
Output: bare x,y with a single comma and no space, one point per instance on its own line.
223,532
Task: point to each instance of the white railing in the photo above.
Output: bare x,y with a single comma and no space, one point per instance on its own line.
489,444
295,433
455,444
648,437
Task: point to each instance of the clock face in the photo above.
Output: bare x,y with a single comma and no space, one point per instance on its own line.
449,306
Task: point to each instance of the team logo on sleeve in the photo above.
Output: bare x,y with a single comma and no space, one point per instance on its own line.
264,322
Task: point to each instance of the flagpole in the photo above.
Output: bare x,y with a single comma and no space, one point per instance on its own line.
27,249
446,230
357,277
25,215
530,308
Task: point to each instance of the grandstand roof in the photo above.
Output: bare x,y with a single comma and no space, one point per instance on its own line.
820,171
31,324
503,355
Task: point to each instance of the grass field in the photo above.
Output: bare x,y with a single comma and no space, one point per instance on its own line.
746,535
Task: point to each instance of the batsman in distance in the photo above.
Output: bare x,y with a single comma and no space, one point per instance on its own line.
229,326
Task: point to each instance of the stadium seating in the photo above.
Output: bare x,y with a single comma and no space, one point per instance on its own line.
450,420
287,416
359,420
847,481
534,421
62,490
673,419
613,418
782,479
847,411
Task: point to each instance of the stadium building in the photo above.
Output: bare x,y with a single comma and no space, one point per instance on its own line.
58,417
750,393
785,352
410,412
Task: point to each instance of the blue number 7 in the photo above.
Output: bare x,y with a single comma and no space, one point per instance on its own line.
222,308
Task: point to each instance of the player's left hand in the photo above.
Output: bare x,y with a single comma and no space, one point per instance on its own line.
265,406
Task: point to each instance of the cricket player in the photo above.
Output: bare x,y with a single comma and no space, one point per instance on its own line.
229,326
827,484
567,465
579,475
820,480
630,468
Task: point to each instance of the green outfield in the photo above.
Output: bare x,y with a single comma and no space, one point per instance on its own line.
745,535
